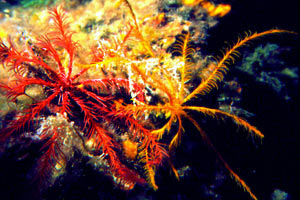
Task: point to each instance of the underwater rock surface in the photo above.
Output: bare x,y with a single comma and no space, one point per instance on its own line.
261,87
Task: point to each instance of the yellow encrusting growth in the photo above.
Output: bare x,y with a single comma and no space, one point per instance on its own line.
213,10
130,149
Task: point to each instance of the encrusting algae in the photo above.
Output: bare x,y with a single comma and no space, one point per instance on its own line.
122,101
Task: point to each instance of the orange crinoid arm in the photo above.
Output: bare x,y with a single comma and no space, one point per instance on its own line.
240,181
222,66
220,114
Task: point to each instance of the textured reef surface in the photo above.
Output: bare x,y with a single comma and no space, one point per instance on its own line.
144,100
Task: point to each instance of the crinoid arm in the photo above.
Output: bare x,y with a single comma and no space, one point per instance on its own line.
151,155
61,36
165,128
183,47
53,158
17,88
18,61
151,152
116,84
215,113
103,140
139,34
206,139
223,63
25,119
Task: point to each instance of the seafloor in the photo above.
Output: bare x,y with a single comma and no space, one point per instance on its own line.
262,86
